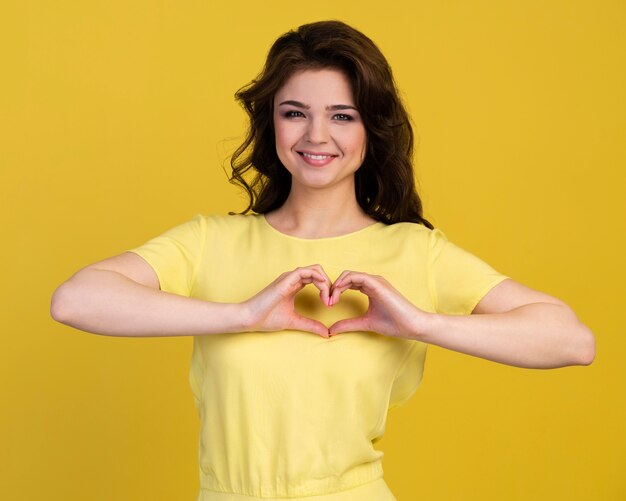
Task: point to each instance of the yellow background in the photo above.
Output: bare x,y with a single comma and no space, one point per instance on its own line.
116,118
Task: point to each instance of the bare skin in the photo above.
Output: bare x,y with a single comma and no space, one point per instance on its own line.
512,324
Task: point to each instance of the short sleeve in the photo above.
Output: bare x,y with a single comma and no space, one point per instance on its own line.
458,280
176,254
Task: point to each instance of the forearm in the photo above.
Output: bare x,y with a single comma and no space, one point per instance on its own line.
538,335
109,303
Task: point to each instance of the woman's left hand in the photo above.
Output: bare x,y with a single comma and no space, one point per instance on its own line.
513,324
389,312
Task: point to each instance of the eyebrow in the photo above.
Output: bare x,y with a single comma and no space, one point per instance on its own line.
332,107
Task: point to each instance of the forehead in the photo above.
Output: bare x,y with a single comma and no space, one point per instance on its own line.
324,86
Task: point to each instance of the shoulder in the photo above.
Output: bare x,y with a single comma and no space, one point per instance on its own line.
410,232
230,222
434,239
408,228
201,226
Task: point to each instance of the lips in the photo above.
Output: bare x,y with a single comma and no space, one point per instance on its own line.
315,156
317,159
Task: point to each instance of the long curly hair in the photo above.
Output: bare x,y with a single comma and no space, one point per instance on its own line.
384,184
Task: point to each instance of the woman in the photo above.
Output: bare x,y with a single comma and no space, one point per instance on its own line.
293,383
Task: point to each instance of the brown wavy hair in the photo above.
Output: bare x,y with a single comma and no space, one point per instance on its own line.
384,184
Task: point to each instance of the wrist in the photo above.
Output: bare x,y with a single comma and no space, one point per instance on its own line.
242,317
426,326
225,318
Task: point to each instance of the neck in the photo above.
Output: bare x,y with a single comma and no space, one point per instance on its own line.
310,213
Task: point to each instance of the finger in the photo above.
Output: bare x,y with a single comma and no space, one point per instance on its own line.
363,282
301,323
298,278
349,325
318,267
356,277
319,278
341,277
334,297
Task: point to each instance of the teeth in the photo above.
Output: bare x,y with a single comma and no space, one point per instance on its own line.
316,157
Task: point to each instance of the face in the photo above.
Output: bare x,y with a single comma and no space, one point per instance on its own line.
320,137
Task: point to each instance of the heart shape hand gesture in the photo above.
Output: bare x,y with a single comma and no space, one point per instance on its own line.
389,312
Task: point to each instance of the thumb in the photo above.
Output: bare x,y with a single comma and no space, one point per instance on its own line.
349,325
301,323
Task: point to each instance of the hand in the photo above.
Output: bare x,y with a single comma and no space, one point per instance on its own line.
272,309
389,312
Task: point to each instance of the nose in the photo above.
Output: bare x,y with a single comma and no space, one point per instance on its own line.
316,131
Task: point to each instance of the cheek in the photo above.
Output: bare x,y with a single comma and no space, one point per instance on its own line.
284,135
363,145
282,143
278,132
357,143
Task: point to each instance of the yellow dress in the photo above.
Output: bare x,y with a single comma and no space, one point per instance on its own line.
290,414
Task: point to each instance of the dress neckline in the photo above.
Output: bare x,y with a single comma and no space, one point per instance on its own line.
365,229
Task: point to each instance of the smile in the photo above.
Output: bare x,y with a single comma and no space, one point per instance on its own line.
317,159
322,156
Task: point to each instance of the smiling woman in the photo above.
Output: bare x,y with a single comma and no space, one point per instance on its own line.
364,91
293,383
320,137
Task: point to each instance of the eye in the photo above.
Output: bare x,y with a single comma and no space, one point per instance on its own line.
293,114
342,117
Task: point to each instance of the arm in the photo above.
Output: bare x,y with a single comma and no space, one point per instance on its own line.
515,325
121,296
512,324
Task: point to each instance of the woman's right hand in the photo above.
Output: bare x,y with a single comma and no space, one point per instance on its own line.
272,309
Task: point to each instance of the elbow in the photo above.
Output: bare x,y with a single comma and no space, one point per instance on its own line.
580,347
587,348
60,304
